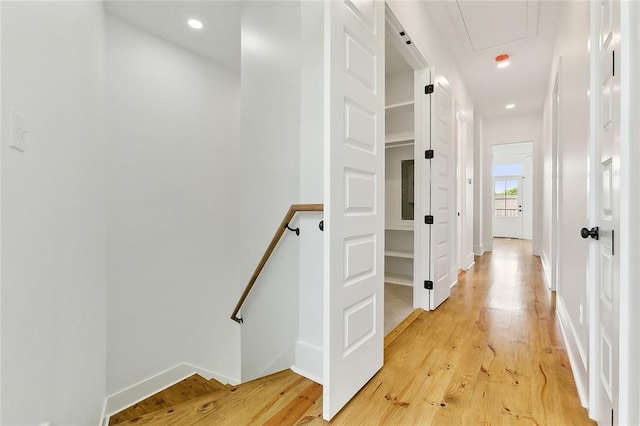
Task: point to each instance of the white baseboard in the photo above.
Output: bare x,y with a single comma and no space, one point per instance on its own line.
546,269
308,361
478,250
575,351
471,259
307,374
154,384
470,262
208,374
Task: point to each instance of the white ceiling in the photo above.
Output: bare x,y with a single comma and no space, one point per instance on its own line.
218,40
475,32
480,30
493,24
512,153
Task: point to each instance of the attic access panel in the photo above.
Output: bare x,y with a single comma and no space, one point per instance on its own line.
492,24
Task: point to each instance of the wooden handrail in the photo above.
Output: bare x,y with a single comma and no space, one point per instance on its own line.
272,245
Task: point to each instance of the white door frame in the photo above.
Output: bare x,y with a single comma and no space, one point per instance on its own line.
422,117
461,187
629,394
424,74
597,394
556,184
422,108
534,205
1,150
442,251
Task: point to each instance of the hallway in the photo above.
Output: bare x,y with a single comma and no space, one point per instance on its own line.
496,356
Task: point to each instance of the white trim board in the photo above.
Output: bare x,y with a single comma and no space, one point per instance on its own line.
575,351
470,262
546,269
629,387
1,197
308,361
154,384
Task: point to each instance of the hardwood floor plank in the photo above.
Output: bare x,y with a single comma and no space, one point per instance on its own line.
192,387
393,335
490,355
295,410
250,403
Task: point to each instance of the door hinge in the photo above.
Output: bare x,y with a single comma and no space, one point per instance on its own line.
428,219
613,63
428,154
428,285
428,89
612,417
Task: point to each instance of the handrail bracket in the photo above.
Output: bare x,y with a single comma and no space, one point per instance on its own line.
296,230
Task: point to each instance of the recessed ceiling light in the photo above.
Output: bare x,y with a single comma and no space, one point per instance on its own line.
510,106
503,64
195,24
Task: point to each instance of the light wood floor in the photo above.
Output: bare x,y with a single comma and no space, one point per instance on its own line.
398,304
490,355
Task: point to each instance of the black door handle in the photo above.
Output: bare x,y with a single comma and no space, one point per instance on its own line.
593,233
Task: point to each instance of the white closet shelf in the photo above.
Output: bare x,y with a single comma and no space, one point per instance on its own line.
397,138
408,105
398,253
398,279
399,228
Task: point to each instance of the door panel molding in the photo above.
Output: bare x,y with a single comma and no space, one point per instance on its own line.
353,193
604,212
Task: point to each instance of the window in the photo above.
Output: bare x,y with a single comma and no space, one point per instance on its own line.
505,198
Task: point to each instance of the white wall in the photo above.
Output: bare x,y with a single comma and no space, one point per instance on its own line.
270,120
1,180
309,344
53,214
573,69
467,176
502,130
527,229
478,189
175,176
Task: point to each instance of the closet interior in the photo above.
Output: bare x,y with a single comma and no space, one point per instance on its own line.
399,184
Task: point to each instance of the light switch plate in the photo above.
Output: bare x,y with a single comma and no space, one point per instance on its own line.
18,132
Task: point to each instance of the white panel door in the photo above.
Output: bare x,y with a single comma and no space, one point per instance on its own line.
442,267
606,196
422,232
354,198
507,207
